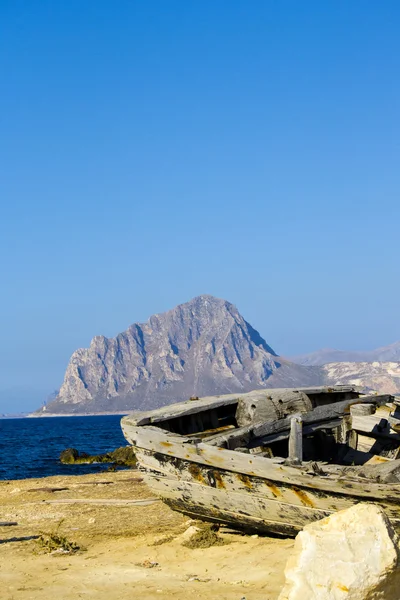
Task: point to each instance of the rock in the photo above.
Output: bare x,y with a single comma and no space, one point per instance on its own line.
380,377
199,348
201,537
189,533
329,355
69,456
351,555
124,456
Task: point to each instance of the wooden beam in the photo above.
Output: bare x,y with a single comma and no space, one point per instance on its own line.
296,440
197,405
327,412
284,435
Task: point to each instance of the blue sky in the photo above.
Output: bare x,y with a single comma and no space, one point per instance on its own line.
152,151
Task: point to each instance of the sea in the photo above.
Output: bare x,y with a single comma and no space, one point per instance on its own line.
31,447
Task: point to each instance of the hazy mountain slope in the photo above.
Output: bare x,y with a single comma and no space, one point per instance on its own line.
199,348
389,353
383,377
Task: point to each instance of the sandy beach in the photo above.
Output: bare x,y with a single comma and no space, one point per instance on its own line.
133,546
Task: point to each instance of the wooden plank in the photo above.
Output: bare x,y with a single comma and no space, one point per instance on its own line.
321,413
222,503
215,500
155,440
189,407
365,443
375,426
181,409
131,432
271,406
295,495
284,435
377,460
363,409
296,441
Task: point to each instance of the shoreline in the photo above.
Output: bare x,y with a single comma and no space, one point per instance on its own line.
98,414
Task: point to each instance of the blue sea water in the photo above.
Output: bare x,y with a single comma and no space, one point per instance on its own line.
31,447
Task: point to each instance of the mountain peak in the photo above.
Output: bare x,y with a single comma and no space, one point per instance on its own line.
201,347
207,302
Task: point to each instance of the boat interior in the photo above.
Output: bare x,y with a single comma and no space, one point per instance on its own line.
337,425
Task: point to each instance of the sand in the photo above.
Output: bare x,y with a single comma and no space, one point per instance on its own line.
133,546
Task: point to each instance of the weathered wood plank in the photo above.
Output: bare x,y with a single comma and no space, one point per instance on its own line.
240,503
319,414
296,441
189,407
156,441
365,443
363,409
296,495
181,409
220,505
284,435
377,460
375,426
156,467
270,406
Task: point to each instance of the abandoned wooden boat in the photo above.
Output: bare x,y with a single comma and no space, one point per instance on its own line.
271,460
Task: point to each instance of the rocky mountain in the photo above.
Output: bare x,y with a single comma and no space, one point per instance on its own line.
383,377
389,353
200,348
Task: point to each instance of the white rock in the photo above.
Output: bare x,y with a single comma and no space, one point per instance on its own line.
189,533
351,555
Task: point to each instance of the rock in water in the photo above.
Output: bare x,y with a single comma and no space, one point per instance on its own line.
69,456
351,555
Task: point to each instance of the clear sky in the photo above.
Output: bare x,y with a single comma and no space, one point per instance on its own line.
154,150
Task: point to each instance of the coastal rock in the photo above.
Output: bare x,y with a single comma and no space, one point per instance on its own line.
69,456
124,456
200,348
351,555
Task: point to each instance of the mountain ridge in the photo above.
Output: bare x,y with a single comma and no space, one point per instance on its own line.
201,347
389,353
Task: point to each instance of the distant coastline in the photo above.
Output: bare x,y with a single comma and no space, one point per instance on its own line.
17,416
94,414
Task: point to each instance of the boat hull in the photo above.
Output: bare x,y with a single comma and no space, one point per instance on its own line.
244,491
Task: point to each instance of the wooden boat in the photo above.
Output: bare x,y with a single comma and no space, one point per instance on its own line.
271,460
